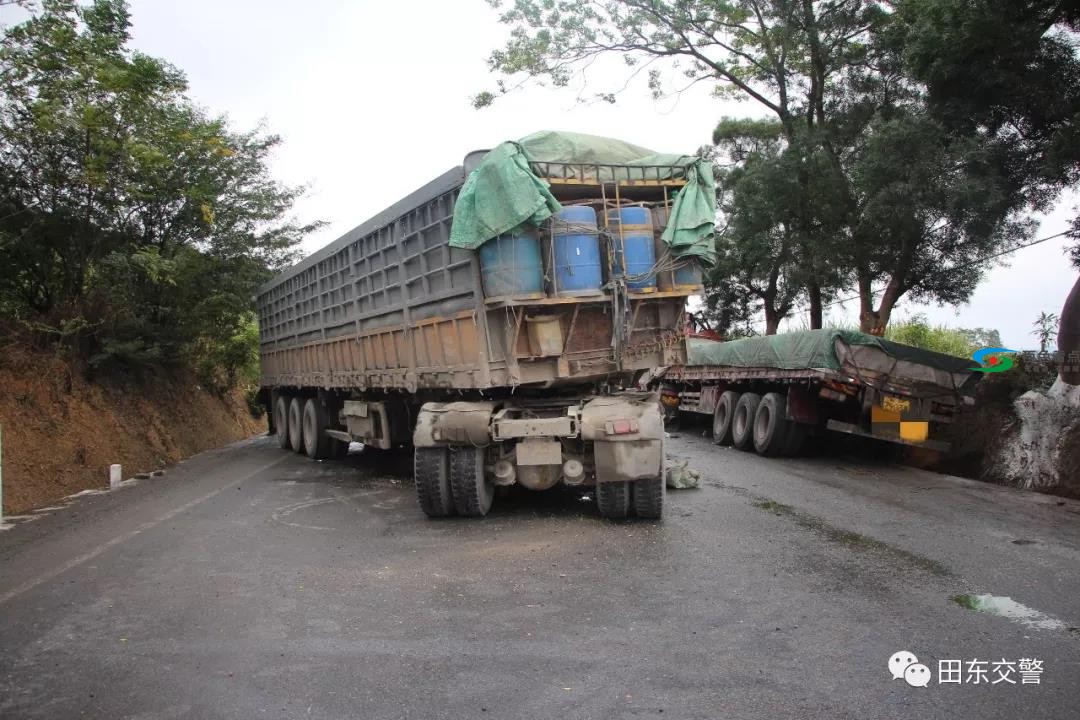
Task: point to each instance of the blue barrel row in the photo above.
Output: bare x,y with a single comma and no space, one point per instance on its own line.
512,266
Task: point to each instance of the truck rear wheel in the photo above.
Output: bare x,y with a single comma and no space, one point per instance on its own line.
473,491
316,441
742,422
431,474
796,435
771,425
613,499
722,416
339,449
281,421
649,498
296,424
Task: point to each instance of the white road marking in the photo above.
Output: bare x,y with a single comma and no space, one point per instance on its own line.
90,555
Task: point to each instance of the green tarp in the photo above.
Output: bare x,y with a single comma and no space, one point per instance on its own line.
503,193
814,349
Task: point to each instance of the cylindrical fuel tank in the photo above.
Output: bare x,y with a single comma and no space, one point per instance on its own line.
632,232
577,252
511,267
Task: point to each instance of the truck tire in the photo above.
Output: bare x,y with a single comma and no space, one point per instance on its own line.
431,474
316,442
473,491
281,421
795,438
742,422
613,499
339,449
722,416
771,425
649,498
296,424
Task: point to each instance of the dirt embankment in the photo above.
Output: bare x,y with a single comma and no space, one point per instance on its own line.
61,431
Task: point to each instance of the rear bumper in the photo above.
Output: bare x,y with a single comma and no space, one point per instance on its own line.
852,429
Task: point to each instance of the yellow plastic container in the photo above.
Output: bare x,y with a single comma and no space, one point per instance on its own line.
545,335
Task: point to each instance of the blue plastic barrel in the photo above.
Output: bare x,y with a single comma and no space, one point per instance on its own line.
577,252
688,273
637,254
511,267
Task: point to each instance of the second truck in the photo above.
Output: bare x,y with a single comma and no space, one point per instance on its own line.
496,321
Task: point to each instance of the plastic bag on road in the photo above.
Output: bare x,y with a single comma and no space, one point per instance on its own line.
680,476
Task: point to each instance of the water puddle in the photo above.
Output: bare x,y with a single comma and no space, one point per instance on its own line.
1009,608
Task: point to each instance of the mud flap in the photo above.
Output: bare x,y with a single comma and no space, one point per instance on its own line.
627,432
455,423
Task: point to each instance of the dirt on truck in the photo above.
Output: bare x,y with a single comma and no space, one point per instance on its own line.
770,394
496,321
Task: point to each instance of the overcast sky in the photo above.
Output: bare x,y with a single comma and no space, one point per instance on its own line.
372,100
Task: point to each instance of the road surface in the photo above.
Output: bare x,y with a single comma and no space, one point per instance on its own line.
250,582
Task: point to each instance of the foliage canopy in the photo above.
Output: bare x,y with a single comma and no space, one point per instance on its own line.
854,169
132,222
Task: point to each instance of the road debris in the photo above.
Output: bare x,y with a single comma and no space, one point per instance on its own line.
681,477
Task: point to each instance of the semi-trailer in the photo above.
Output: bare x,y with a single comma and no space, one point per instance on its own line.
769,394
497,321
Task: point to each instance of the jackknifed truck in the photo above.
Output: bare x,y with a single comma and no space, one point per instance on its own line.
497,321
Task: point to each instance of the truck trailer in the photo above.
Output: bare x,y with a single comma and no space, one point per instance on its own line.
497,321
769,394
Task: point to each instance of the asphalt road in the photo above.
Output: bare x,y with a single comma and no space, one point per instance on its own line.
251,582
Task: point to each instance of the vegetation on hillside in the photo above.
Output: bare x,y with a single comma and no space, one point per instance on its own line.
134,224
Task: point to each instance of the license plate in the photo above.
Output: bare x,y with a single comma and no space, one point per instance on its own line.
895,404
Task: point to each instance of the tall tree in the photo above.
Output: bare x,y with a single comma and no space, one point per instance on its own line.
833,88
125,209
757,249
1008,71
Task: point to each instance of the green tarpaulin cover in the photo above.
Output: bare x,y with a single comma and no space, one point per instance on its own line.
814,349
503,193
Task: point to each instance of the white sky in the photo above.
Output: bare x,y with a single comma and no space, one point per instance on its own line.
372,100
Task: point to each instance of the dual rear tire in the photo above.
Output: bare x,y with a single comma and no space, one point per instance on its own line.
645,497
452,481
759,422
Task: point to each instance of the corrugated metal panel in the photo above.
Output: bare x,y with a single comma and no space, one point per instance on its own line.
388,304
391,305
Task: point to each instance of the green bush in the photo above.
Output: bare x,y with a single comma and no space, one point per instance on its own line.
917,332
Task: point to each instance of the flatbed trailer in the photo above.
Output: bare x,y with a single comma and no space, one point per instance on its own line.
394,337
770,394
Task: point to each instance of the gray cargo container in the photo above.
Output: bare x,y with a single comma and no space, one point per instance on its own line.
385,337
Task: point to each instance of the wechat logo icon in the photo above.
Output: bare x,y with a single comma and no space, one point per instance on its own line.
904,665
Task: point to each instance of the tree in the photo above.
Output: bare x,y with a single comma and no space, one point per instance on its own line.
929,210
845,113
917,332
1006,70
1046,327
982,337
129,217
757,249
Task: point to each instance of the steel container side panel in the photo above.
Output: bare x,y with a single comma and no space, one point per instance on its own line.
452,179
391,304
